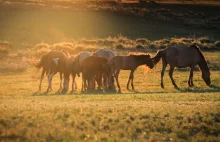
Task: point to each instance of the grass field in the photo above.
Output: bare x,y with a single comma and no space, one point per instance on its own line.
150,114
30,28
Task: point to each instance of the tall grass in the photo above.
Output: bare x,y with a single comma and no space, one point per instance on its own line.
122,43
14,59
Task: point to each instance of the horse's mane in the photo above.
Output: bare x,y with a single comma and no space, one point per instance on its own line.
66,53
200,52
138,54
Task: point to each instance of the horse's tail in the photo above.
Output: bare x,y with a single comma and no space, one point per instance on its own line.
158,56
39,64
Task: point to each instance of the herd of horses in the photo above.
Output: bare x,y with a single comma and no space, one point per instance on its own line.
103,66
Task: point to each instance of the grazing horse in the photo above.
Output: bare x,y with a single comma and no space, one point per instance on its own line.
106,53
69,70
56,65
75,66
45,62
182,57
130,62
93,67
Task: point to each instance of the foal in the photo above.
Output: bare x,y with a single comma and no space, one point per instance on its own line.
130,62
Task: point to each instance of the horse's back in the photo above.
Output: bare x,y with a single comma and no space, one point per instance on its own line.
84,55
182,56
56,54
49,56
107,53
122,62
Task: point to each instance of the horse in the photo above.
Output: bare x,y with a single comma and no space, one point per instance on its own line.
182,57
46,60
56,65
75,66
93,67
108,54
69,70
129,62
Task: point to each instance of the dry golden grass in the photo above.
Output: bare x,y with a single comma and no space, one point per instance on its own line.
150,114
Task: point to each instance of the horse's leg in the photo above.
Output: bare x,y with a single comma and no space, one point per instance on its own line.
171,76
128,83
105,81
85,82
93,83
129,79
132,78
75,85
50,81
82,89
116,78
61,79
99,81
41,78
73,81
190,81
164,65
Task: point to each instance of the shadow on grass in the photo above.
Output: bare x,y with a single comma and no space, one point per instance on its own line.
46,93
212,89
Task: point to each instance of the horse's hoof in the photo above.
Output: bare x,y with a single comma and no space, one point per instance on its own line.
176,87
162,86
62,92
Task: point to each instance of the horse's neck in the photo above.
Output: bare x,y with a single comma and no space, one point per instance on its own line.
203,65
141,63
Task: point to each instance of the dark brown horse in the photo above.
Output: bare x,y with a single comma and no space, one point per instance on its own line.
182,57
108,54
93,68
70,70
130,62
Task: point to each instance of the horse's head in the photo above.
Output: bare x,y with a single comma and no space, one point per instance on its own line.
149,62
206,77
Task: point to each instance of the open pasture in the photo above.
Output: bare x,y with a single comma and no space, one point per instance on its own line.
30,28
150,114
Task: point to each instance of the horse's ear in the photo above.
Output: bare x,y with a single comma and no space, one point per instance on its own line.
194,45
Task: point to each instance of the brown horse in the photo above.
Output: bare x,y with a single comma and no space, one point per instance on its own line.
93,67
182,57
45,62
108,54
75,65
130,62
69,70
